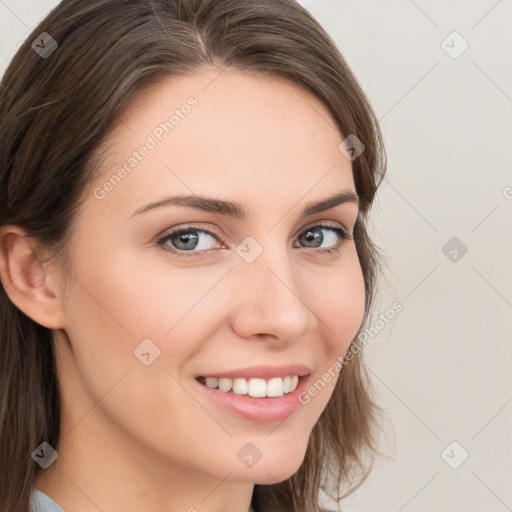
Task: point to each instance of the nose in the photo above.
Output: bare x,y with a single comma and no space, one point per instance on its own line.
271,300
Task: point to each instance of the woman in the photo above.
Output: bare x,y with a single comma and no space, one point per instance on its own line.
184,258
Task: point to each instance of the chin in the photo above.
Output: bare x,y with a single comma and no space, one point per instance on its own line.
267,475
272,467
277,474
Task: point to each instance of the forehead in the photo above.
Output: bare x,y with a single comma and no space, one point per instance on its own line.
224,131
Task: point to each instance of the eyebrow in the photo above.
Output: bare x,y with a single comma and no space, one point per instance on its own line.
237,210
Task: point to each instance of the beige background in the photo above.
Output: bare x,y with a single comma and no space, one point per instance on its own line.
442,366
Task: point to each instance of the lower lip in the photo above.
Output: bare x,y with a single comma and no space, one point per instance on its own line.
258,410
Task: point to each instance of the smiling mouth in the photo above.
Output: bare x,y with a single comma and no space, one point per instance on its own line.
253,387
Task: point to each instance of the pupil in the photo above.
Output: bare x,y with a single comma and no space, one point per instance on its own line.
187,237
314,234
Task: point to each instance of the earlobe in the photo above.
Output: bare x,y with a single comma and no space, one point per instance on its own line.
26,280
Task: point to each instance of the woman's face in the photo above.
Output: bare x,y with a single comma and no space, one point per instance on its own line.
145,320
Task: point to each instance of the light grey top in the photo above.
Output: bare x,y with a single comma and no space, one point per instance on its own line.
41,502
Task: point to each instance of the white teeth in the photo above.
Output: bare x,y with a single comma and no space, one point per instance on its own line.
240,386
255,387
212,382
275,387
225,384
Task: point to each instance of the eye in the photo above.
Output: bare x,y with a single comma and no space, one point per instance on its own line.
195,240
335,238
186,240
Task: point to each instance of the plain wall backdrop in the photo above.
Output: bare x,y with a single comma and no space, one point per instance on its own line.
438,74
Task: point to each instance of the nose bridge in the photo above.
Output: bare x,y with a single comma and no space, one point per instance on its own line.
270,298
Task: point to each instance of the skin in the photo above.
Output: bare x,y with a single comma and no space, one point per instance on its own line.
138,437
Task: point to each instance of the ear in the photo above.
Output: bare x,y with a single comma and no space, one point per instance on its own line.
27,281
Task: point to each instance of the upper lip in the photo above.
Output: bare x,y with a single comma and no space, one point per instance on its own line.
263,372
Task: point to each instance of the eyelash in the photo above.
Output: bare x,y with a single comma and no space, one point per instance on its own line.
341,232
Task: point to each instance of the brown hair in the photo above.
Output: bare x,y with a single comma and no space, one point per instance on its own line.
56,112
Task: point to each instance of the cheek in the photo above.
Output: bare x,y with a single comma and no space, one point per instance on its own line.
110,312
117,304
135,298
341,305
